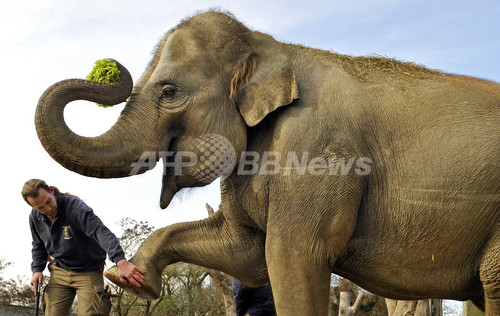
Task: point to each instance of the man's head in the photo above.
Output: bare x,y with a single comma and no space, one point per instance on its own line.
40,196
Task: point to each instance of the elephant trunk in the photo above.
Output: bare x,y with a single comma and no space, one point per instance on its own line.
109,155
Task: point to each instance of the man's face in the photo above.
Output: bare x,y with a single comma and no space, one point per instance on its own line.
45,203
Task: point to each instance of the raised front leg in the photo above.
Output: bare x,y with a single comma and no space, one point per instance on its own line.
211,243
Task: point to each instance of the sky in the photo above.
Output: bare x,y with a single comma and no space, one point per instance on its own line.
45,41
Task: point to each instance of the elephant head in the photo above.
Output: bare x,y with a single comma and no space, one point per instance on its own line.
209,75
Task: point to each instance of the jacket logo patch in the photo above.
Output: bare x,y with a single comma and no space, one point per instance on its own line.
67,232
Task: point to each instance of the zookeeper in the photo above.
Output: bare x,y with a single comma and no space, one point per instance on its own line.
67,234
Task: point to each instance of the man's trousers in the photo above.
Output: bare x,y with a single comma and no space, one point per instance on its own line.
64,284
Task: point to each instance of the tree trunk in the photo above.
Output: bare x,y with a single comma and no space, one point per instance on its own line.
407,308
345,308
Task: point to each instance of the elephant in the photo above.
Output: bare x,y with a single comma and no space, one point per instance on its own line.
381,171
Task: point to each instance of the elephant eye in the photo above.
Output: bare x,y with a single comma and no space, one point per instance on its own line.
168,92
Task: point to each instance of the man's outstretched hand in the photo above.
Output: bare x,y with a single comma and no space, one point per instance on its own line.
129,273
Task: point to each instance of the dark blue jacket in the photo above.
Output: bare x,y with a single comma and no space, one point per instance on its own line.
77,238
254,301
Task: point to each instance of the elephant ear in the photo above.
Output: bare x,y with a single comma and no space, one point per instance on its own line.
264,80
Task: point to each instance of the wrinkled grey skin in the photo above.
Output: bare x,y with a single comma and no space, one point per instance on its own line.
421,220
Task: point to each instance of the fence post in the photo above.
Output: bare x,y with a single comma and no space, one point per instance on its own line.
435,307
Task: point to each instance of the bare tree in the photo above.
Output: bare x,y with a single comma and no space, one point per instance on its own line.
360,302
401,308
16,291
345,308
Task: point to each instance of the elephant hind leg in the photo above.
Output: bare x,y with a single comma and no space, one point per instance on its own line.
489,273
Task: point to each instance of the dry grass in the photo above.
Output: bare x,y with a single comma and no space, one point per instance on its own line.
364,67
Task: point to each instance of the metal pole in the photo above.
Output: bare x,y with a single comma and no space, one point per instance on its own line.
37,301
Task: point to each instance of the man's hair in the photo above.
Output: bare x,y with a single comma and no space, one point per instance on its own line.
31,188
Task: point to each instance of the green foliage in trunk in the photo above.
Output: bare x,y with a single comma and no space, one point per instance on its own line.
104,71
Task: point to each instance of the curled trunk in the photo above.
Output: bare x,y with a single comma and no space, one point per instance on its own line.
106,156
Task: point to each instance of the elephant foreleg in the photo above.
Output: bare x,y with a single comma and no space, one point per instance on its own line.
300,284
490,276
211,243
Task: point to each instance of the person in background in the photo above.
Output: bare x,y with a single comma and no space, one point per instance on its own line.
67,234
253,301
